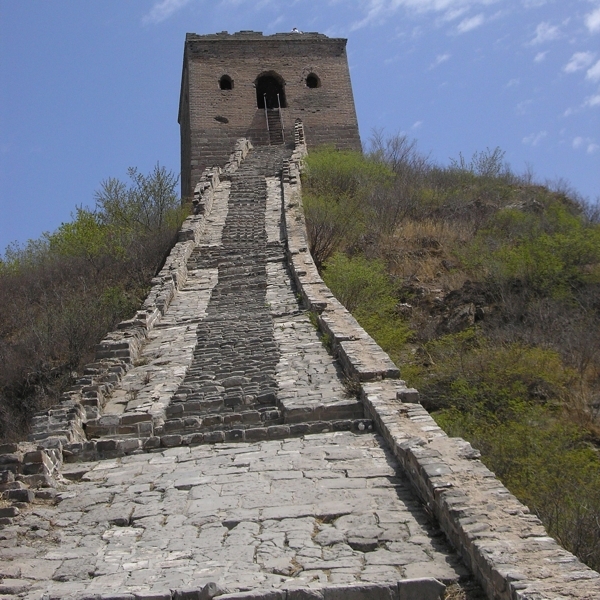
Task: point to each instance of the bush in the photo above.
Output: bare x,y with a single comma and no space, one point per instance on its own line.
64,292
364,288
336,185
523,263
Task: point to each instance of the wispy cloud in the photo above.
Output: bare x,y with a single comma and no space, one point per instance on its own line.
579,61
523,107
585,143
163,10
540,57
592,101
455,13
377,10
593,73
534,139
470,23
439,59
592,20
545,32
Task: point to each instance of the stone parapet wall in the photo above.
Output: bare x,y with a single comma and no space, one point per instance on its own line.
119,350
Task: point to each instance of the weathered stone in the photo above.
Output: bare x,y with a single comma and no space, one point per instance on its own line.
420,589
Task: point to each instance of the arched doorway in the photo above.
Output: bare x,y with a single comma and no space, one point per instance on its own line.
268,86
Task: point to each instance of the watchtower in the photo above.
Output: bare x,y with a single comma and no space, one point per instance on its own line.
249,85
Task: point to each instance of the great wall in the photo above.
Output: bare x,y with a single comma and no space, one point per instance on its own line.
217,447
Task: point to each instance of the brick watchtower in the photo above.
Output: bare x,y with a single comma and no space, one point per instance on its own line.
249,85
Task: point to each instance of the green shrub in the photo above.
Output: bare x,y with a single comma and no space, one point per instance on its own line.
337,185
548,464
332,223
497,382
64,291
365,289
551,254
332,172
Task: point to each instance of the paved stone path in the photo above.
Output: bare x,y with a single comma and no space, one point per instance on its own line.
325,509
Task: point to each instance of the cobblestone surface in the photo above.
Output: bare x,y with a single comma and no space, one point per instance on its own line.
326,509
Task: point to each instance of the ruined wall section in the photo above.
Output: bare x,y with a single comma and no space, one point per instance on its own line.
211,119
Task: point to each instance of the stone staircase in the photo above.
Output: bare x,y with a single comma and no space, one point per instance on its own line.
275,127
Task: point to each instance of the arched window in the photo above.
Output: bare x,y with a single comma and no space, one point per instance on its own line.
312,81
226,83
268,87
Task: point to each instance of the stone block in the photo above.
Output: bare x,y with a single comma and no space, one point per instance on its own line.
170,441
6,476
151,443
256,434
20,495
256,595
408,395
420,589
8,448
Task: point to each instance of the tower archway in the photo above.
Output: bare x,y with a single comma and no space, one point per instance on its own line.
268,86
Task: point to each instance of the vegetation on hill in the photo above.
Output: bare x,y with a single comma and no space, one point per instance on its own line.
62,293
484,288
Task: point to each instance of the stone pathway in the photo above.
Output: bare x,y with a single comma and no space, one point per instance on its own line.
325,509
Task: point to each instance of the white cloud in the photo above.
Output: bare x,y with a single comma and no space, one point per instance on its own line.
163,10
545,32
512,83
593,73
579,60
592,101
587,143
540,57
470,23
377,10
535,138
417,124
455,13
523,107
439,59
592,20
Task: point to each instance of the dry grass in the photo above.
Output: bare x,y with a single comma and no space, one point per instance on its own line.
464,590
425,251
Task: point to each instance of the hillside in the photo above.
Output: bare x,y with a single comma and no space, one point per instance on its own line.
63,292
483,287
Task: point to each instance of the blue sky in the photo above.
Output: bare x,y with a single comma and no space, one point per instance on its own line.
90,87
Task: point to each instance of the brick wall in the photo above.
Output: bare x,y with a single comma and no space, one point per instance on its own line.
211,119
